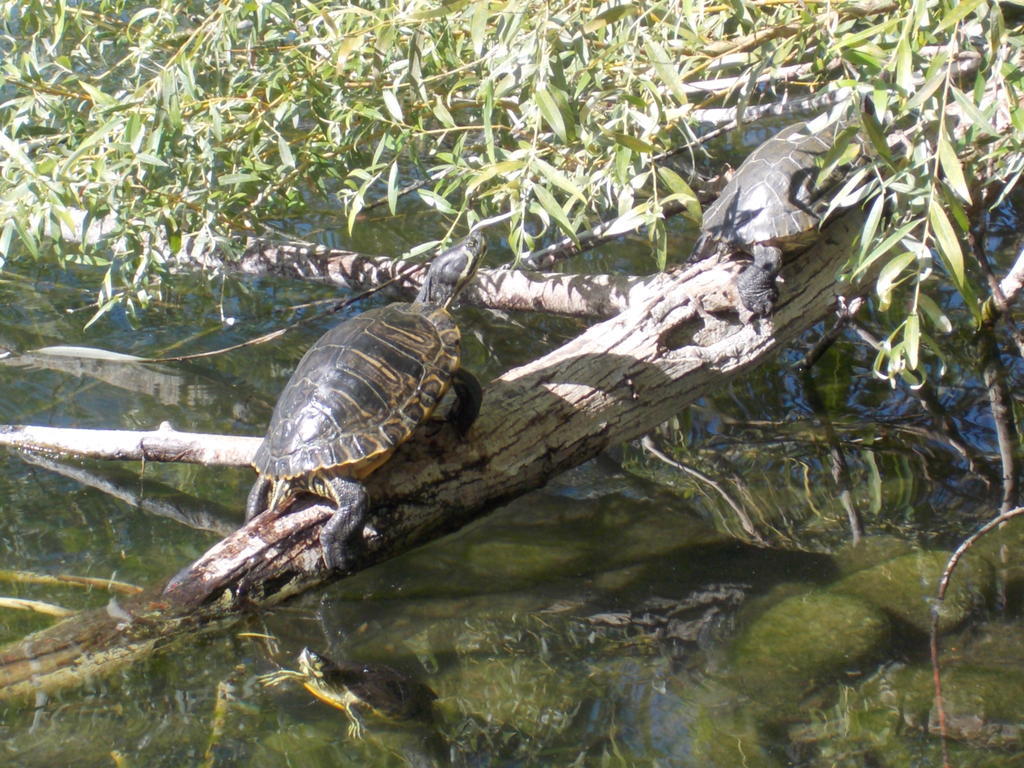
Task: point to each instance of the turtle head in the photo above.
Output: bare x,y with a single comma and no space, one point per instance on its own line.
451,270
312,664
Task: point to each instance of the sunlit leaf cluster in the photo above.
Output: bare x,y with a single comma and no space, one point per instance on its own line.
133,133
959,159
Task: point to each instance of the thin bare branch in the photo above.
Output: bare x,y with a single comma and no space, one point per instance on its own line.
162,444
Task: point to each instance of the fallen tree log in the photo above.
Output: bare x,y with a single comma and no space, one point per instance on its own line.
613,383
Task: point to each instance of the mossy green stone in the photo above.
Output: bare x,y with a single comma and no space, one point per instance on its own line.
905,588
870,551
807,639
520,694
723,736
982,704
523,560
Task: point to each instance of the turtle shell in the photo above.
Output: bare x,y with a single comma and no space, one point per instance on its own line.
773,197
360,391
378,687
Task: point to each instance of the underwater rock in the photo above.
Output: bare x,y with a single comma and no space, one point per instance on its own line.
982,703
804,641
513,695
869,551
905,588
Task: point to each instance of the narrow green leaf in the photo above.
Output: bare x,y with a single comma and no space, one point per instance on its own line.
491,171
13,148
871,221
478,25
427,246
559,179
912,339
434,200
392,104
145,13
627,222
869,34
549,204
955,210
442,114
889,274
904,65
637,145
169,97
885,246
99,98
658,235
285,152
393,188
550,112
858,57
565,109
230,179
978,120
666,69
359,200
608,16
104,307
950,164
681,191
5,241
91,141
28,237
134,134
947,241
445,9
876,135
854,189
960,11
488,118
348,44
58,28
925,91
935,315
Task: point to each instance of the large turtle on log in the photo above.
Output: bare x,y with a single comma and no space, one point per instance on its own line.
358,393
773,203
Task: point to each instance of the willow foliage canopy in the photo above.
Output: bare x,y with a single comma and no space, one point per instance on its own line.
131,133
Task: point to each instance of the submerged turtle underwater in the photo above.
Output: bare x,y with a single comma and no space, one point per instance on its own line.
358,393
353,687
773,203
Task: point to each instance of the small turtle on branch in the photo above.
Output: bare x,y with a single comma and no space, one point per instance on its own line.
773,203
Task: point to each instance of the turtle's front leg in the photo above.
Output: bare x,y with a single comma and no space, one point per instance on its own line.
756,283
468,396
257,499
344,530
282,675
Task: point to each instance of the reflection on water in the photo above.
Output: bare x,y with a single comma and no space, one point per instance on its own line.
620,616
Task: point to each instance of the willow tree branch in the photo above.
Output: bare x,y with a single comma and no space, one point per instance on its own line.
583,296
994,376
162,444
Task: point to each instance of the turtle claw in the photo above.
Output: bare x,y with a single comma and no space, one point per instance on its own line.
355,726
